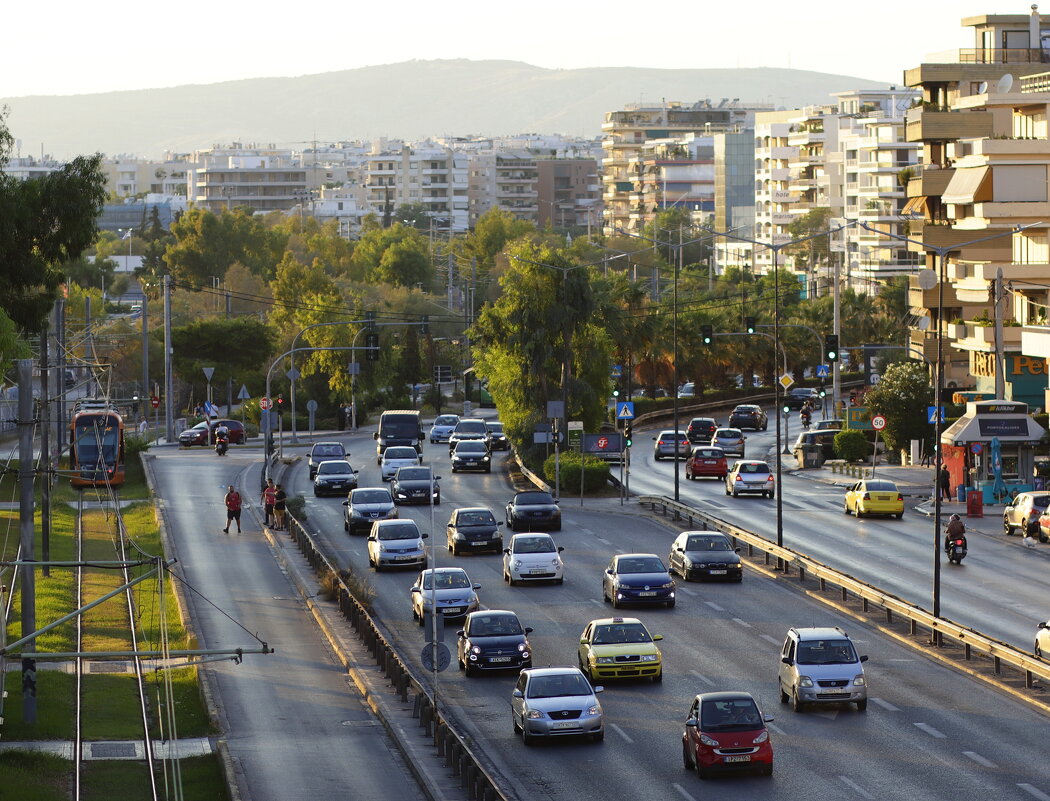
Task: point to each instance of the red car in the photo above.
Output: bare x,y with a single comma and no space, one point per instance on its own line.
726,732
202,434
707,460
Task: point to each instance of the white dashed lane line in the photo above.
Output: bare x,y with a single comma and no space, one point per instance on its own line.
715,606
702,677
855,787
980,760
1032,791
770,638
926,727
885,705
743,623
682,792
603,540
621,732
776,729
687,591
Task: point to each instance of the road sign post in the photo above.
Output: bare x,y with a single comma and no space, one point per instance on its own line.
878,422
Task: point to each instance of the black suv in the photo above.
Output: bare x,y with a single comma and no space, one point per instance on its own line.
747,415
700,430
796,398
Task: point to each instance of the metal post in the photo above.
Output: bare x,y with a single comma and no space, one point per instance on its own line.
60,343
938,463
777,386
674,359
836,380
45,454
27,549
229,378
169,410
145,358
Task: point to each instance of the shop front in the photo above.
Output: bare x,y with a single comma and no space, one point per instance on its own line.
991,449
1024,377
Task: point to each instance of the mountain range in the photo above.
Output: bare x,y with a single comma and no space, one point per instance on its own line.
410,100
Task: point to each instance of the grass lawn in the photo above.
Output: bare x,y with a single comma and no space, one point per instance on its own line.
38,777
201,779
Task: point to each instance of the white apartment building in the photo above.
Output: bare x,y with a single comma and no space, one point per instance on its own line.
503,179
260,180
429,174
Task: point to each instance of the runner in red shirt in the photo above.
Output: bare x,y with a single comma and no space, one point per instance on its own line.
269,496
233,509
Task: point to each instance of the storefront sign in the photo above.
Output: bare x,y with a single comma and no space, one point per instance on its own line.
982,364
1003,427
1004,407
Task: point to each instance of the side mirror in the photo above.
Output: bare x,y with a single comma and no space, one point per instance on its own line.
657,637
375,435
373,538
599,689
424,536
864,658
460,633
506,550
787,660
692,723
437,478
346,503
608,571
516,694
528,629
415,589
583,640
680,549
499,522
1042,626
736,550
560,549
476,586
767,718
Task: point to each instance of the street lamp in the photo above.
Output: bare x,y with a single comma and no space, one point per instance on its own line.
303,195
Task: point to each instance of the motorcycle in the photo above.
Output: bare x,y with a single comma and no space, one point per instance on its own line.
804,419
956,551
222,444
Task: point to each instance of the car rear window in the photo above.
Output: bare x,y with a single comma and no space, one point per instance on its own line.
881,486
1041,501
328,450
533,497
709,453
728,433
751,467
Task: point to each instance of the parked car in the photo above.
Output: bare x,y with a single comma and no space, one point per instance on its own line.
493,639
322,451
395,543
687,390
700,430
824,438
444,425
730,440
1042,641
637,578
1023,512
874,496
334,477
473,529
748,415
706,460
725,732
414,485
555,702
396,457
468,428
456,596
497,439
796,398
830,425
821,666
366,505
69,378
533,557
665,445
705,554
1044,527
533,509
751,475
204,433
471,454
619,648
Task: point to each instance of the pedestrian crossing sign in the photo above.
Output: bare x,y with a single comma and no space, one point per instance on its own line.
625,410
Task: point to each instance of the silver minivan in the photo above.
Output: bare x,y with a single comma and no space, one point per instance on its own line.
821,666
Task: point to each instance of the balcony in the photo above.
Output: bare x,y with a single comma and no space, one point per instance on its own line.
783,152
942,236
982,337
780,174
941,125
930,182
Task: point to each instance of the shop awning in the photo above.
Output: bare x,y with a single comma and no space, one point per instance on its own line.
915,207
967,186
982,427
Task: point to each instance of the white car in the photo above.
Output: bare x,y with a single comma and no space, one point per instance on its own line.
1042,640
398,456
533,557
395,543
751,475
444,425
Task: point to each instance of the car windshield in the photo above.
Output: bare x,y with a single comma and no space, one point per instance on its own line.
471,427
1041,501
704,542
826,652
618,633
709,453
447,581
328,450
534,545
399,531
400,453
557,686
495,428
729,715
338,468
753,467
471,446
881,486
475,519
640,564
531,498
728,433
446,420
413,474
371,496
199,427
493,626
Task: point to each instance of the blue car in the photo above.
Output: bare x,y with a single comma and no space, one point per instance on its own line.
637,578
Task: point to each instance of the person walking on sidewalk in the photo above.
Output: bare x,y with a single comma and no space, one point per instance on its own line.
279,498
944,483
233,509
268,493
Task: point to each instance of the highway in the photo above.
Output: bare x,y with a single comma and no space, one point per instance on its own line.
928,733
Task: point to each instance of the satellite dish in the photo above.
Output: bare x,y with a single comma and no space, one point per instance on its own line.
922,323
927,279
1005,84
982,89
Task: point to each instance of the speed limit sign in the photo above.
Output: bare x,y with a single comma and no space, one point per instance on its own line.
264,403
878,422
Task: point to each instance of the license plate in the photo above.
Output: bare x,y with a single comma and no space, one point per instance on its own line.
647,594
739,758
536,570
453,610
564,724
479,542
500,659
404,558
719,572
710,461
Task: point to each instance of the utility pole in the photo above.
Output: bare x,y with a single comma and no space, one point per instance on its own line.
145,359
229,378
60,344
1000,379
45,453
836,381
27,551
168,402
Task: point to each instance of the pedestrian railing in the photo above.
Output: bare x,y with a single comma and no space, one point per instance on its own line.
972,642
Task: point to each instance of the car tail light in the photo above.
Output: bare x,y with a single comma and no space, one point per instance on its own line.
900,497
770,478
738,478
866,496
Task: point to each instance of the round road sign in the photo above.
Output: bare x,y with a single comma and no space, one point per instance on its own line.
878,422
154,401
264,403
444,656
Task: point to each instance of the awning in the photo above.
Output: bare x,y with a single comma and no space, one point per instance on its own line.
982,427
915,207
967,186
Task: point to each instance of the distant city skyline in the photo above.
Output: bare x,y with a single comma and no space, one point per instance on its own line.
118,45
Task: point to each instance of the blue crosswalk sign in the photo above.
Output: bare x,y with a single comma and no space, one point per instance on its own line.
625,410
822,371
931,414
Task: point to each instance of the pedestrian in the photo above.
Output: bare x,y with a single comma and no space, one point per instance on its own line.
233,509
143,427
279,498
944,483
268,493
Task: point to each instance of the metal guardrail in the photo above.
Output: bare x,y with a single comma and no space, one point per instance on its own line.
474,778
999,652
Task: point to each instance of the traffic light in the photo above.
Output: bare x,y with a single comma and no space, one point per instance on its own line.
616,393
280,402
425,324
370,320
787,409
823,390
707,333
372,347
831,348
749,325
627,435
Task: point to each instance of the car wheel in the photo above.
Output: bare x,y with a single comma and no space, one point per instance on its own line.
796,704
659,677
686,763
862,705
670,604
735,493
899,515
557,527
767,770
527,738
703,772
514,721
452,549
598,736
346,525
615,603
860,511
845,508
420,619
727,489
437,501
783,695
1007,528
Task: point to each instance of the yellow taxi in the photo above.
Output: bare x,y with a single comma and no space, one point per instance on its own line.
619,648
874,496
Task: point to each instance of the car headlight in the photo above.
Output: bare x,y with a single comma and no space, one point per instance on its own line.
474,649
521,647
556,562
668,586
858,681
594,710
534,714
356,512
650,658
401,494
605,660
708,741
516,563
457,536
382,548
805,681
484,458
761,738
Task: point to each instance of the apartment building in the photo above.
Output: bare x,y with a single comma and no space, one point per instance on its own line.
734,196
426,174
568,193
258,179
506,180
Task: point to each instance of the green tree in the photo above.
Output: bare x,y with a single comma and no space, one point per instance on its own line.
493,230
902,397
85,272
395,255
44,223
206,246
233,347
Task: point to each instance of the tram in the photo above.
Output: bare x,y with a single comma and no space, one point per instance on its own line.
96,444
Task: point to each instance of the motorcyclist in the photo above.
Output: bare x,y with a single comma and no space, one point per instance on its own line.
806,414
955,530
222,438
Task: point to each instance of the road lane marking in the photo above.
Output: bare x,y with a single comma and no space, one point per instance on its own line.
855,787
743,623
702,677
1034,792
980,760
776,729
687,591
770,638
596,601
682,792
715,606
621,732
603,540
929,730
885,705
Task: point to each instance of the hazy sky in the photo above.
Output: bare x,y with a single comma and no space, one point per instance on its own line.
77,48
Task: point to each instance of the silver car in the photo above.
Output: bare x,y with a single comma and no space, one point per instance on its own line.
751,475
730,440
554,702
397,456
444,425
664,447
450,587
821,666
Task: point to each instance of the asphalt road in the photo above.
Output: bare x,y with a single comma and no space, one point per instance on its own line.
928,733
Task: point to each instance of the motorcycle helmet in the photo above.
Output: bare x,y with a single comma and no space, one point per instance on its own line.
955,517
